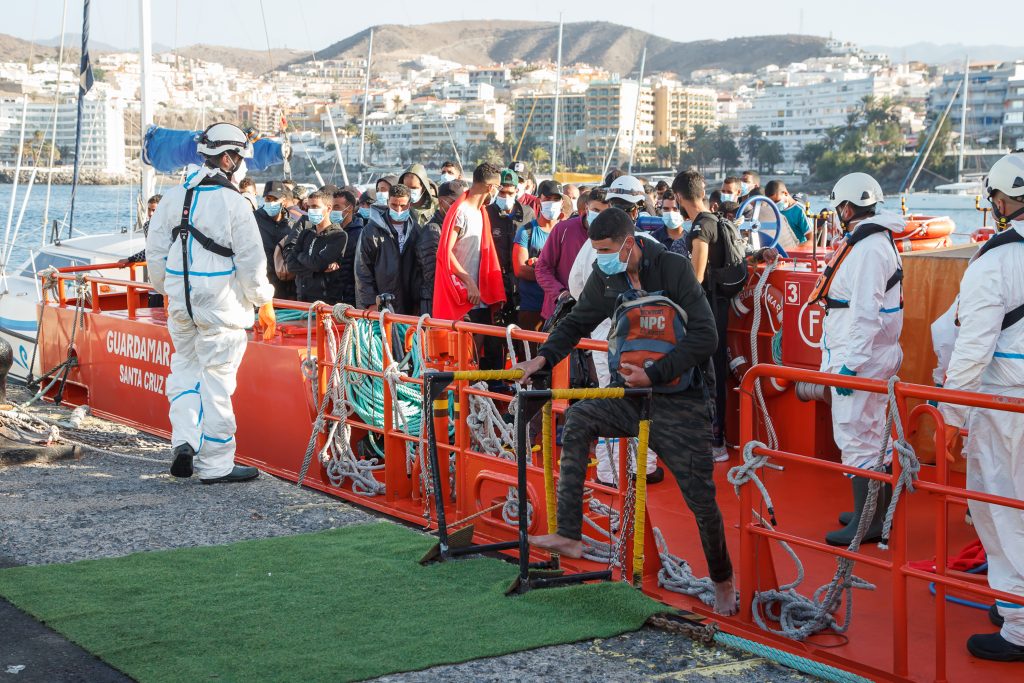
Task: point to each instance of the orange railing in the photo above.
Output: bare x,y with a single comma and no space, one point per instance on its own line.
900,571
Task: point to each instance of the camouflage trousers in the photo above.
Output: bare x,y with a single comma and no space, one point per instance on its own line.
681,435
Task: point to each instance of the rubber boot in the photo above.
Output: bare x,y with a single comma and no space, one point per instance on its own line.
843,537
845,517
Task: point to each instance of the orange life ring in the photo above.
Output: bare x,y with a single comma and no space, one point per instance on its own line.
906,245
738,343
983,234
926,228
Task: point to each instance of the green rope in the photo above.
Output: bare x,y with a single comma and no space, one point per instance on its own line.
777,347
802,664
366,393
290,315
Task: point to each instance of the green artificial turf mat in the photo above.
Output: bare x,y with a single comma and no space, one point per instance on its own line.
345,604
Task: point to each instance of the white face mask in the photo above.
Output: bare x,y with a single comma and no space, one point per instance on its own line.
520,190
592,216
414,195
239,175
382,198
447,177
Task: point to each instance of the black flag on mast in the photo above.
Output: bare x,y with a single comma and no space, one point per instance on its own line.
85,81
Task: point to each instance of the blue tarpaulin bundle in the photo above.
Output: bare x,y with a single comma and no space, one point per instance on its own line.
169,150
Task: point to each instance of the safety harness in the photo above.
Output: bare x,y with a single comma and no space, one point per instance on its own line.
1006,237
185,228
824,283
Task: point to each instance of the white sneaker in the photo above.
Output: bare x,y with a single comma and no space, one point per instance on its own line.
719,453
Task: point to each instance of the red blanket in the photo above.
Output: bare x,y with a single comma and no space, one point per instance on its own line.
451,300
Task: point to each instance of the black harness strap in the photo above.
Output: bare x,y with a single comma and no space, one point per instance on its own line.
895,279
185,228
1009,236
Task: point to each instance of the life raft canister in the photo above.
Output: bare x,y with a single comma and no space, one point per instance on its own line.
769,334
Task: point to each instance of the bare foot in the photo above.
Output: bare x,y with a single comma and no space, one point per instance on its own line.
554,543
725,598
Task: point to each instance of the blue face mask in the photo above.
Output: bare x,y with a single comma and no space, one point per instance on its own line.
272,208
364,212
728,197
399,216
316,216
382,198
592,216
551,210
610,263
447,177
338,216
744,189
506,204
672,219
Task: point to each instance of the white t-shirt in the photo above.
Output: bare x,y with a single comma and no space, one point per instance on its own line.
469,226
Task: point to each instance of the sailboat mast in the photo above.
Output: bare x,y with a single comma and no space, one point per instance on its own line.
636,109
53,123
147,181
85,81
558,94
963,121
366,102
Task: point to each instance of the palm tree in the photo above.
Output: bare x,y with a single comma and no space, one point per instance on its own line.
539,155
726,151
700,147
751,142
663,155
770,154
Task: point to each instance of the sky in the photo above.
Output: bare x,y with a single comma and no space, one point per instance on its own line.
315,24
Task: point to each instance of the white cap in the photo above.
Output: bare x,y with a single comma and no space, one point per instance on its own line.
626,188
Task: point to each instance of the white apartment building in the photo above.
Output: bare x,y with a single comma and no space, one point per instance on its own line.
611,107
797,116
103,134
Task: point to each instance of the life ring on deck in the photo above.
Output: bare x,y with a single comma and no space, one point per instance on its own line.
983,234
926,228
769,334
907,245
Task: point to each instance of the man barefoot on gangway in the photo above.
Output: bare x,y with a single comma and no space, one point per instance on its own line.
681,420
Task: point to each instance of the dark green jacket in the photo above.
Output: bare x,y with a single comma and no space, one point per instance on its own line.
660,271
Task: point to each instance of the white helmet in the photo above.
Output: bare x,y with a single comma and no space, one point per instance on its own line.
1007,176
626,188
223,137
859,189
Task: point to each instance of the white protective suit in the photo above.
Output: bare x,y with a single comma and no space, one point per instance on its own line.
607,449
224,291
865,338
990,360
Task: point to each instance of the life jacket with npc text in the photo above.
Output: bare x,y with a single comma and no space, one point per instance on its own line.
646,327
824,283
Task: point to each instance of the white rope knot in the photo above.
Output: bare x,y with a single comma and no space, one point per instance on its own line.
340,313
677,576
746,472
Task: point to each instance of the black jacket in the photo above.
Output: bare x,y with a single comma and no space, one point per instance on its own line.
503,231
426,248
271,233
381,268
662,271
347,272
309,255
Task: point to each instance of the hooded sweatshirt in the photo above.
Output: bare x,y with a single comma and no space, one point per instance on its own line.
388,263
424,209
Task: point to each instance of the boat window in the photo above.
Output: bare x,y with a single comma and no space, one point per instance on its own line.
44,260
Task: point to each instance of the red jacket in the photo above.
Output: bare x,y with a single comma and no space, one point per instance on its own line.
451,301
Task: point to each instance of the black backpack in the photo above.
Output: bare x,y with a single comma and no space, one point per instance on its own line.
729,279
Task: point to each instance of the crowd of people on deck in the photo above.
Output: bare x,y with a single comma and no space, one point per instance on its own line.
498,246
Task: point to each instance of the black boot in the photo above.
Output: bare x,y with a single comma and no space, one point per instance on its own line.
182,465
239,473
844,536
994,647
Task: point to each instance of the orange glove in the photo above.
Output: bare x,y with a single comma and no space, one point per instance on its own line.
952,435
268,319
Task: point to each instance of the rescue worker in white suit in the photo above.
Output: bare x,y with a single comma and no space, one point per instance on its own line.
989,357
861,335
206,256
